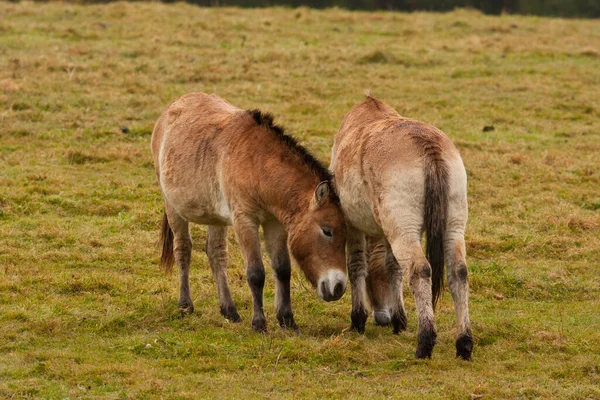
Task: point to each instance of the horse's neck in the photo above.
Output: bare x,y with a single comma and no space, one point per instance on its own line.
287,201
287,186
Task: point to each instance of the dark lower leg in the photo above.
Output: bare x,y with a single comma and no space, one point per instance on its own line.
464,345
421,288
183,252
283,302
246,232
426,340
216,249
395,276
357,271
276,245
399,321
256,281
459,287
410,256
379,286
359,310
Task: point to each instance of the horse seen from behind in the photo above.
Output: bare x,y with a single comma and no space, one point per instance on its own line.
398,178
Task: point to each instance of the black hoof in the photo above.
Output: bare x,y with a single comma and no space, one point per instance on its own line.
259,325
464,347
359,320
399,321
231,314
186,308
425,344
286,321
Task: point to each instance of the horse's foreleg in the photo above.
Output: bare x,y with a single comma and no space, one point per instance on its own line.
395,274
410,256
357,270
378,284
246,232
276,244
216,250
182,248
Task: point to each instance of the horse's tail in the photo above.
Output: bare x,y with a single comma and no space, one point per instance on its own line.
166,238
436,214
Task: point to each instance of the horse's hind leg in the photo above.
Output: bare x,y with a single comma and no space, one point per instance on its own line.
182,249
276,245
216,250
454,256
457,276
409,255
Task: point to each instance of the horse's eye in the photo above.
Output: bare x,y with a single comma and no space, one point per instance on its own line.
327,231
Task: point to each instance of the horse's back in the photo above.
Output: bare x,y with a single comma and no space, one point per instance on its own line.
192,119
379,161
374,135
188,149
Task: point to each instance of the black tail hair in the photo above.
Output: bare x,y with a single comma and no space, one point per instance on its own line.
436,213
167,259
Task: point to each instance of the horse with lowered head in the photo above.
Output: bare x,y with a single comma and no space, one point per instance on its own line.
397,178
219,165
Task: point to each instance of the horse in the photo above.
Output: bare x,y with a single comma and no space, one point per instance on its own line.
398,178
221,166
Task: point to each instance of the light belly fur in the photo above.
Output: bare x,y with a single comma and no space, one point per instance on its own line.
201,208
196,197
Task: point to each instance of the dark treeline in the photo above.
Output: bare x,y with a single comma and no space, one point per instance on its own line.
559,8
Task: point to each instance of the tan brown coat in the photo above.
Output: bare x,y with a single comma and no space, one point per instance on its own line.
219,165
397,178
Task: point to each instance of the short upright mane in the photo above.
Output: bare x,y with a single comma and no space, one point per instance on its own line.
266,121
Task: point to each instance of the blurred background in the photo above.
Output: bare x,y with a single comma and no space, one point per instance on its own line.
557,8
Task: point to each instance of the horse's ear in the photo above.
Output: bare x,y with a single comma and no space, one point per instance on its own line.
322,192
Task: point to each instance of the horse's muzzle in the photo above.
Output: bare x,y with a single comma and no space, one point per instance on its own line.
332,286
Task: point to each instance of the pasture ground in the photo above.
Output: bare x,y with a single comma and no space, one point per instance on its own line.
85,311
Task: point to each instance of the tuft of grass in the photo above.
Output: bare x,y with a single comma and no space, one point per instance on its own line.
85,311
405,60
376,57
77,157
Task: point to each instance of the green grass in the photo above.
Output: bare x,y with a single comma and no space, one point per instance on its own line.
85,311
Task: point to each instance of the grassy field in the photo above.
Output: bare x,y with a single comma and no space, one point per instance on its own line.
85,311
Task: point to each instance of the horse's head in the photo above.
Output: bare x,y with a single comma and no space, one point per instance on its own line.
317,240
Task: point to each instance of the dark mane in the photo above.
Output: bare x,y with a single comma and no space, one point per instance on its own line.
266,121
